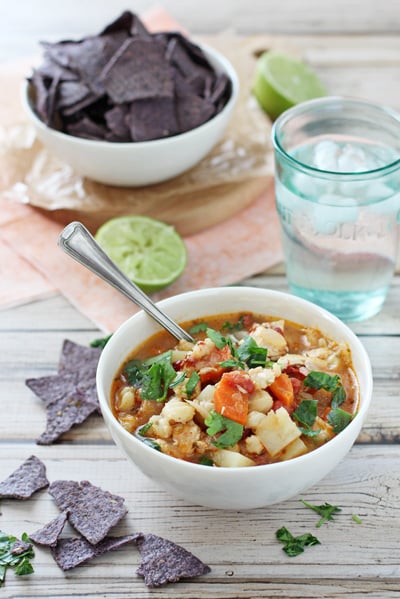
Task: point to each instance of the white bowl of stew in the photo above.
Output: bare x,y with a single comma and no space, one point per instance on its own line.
267,402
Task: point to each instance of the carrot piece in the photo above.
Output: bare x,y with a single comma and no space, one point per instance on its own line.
282,389
231,396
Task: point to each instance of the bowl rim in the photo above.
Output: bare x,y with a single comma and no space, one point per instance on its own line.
211,53
356,422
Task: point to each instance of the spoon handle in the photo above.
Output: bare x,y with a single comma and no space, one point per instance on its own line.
78,243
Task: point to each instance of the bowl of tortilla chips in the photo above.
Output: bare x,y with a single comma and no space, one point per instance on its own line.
128,107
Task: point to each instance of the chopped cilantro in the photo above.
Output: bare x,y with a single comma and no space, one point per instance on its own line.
338,397
192,383
295,545
231,363
206,461
180,377
153,376
231,431
102,342
143,429
322,380
198,328
356,519
326,511
306,414
219,340
231,327
19,562
249,352
339,419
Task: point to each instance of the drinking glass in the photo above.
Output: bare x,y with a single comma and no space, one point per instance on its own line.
337,183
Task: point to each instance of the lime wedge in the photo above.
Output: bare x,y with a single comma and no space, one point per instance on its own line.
151,253
282,81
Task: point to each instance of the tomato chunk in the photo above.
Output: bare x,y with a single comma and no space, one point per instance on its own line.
232,394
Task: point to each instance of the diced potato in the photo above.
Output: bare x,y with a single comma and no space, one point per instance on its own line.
325,428
253,419
231,459
294,449
126,399
254,445
267,337
276,430
204,402
261,401
178,355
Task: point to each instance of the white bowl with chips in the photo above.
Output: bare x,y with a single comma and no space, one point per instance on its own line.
135,164
233,488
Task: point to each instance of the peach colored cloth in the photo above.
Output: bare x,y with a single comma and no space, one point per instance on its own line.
32,265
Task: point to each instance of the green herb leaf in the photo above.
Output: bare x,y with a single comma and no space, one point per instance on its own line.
326,511
20,563
102,342
249,352
180,377
322,380
293,546
339,419
143,429
206,461
232,363
192,383
153,376
231,431
356,519
232,327
306,412
198,328
338,397
219,340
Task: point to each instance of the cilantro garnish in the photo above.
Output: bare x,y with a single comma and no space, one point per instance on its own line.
231,327
251,353
356,519
219,340
102,342
192,383
306,414
328,382
198,328
206,461
231,431
295,545
339,419
20,561
147,440
153,376
326,511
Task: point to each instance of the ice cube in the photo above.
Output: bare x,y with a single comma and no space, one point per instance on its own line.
326,154
353,159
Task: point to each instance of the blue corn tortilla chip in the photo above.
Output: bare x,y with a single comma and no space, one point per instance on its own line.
70,396
163,561
82,84
73,551
49,533
28,478
19,547
91,510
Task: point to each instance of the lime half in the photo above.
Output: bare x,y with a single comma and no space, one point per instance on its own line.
282,81
151,253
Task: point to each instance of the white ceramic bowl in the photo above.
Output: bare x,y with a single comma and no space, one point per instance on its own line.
233,488
139,163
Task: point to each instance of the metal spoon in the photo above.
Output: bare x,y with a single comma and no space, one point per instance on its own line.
78,243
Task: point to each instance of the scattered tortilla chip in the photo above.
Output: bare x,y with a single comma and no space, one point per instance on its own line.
70,397
92,511
73,551
81,82
163,561
25,480
20,547
49,533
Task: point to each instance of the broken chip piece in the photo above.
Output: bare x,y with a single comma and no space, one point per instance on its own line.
28,478
49,533
73,551
70,396
92,511
163,561
160,81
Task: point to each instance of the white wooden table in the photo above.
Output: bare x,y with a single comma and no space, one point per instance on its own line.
355,47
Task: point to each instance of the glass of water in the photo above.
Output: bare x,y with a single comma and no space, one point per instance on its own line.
337,183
